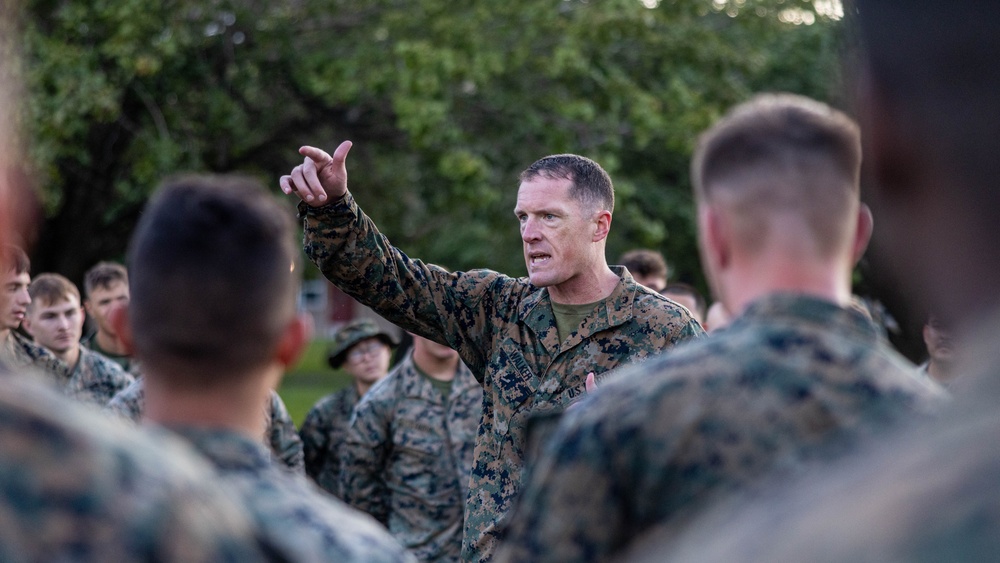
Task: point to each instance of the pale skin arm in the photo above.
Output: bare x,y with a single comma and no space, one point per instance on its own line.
320,178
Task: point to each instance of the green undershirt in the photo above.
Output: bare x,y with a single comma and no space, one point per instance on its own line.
442,387
570,317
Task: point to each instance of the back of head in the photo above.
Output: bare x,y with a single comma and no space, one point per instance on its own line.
645,263
50,289
14,260
591,184
782,155
214,277
103,275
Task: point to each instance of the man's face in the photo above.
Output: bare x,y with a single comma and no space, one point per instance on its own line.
557,238
368,360
656,283
437,351
15,298
56,326
102,300
938,341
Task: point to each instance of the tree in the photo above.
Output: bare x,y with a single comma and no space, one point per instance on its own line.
446,103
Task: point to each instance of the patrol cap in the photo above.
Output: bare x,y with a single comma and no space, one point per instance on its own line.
352,333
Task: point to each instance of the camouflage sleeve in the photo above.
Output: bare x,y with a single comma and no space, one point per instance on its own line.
128,403
315,443
286,446
363,459
454,308
103,379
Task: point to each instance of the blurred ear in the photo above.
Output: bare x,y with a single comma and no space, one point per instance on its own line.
863,232
715,238
122,327
296,337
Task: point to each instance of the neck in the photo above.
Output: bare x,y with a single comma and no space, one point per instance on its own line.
238,404
110,343
4,334
69,357
589,287
362,387
779,272
441,369
940,372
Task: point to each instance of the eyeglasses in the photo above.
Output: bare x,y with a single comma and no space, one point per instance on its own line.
361,350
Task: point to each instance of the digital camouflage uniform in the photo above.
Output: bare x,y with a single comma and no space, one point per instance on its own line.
504,330
323,433
74,486
96,379
793,378
18,352
281,436
291,512
927,493
408,456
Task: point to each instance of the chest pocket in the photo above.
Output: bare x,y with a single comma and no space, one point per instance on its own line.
416,439
514,384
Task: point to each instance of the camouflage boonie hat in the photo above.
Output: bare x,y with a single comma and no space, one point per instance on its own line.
352,333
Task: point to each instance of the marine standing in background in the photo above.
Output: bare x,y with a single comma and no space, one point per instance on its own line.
364,351
55,320
408,453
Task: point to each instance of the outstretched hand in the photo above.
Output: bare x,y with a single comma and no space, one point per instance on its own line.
320,178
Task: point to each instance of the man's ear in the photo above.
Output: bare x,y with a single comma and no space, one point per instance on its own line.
715,238
122,327
862,233
603,225
294,340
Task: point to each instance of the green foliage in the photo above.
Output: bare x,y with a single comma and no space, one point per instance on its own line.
446,102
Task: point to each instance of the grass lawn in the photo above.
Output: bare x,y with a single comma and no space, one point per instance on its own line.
310,380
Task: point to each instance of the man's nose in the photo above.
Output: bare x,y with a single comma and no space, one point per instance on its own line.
529,230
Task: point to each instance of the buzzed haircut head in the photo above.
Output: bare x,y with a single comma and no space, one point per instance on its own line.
780,153
935,64
49,289
14,259
644,263
103,275
591,184
214,275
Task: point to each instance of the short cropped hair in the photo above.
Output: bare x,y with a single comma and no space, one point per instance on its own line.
644,263
103,275
15,259
591,184
214,273
49,289
782,152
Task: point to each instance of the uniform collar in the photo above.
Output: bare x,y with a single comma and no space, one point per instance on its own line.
616,309
809,310
227,449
